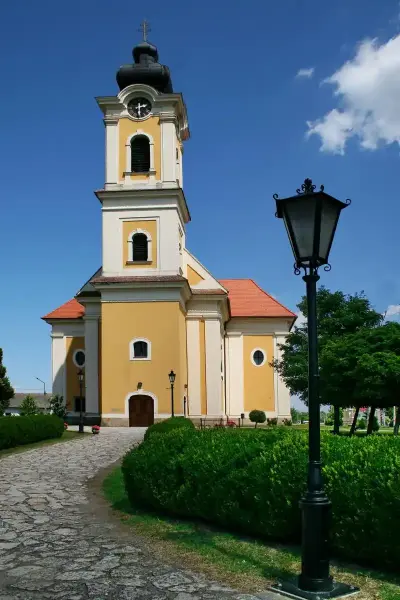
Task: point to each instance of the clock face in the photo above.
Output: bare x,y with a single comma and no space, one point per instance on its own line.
139,108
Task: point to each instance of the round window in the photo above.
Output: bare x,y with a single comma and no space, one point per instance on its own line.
79,358
258,357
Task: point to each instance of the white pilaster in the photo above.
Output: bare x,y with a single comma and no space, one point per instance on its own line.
213,366
58,358
111,150
234,374
193,355
282,395
168,148
91,321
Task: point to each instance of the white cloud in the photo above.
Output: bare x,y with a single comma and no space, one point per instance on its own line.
368,91
306,73
392,311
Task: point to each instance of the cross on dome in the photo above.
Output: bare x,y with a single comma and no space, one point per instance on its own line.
144,28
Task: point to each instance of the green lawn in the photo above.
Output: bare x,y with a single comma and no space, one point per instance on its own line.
244,563
66,436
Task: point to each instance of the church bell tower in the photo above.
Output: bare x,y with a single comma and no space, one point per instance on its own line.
143,204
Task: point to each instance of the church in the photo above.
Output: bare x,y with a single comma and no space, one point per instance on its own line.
153,313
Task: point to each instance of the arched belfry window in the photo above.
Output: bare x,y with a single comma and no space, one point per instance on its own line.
140,154
140,247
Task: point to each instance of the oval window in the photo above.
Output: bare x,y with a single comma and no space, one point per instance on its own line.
258,357
79,358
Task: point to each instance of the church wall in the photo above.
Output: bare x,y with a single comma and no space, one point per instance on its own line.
72,383
128,227
127,127
162,324
258,380
193,277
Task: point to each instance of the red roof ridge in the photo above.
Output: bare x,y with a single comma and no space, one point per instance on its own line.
274,299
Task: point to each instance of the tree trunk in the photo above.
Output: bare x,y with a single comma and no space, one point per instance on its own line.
354,423
397,422
371,420
255,425
336,420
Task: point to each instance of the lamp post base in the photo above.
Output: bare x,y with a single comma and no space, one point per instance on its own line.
291,589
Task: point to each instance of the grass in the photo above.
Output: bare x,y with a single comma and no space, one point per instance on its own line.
66,436
243,563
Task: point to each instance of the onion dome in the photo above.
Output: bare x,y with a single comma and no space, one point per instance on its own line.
146,69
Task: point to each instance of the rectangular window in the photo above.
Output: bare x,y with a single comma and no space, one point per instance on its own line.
77,403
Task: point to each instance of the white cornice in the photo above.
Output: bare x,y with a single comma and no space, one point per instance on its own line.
114,199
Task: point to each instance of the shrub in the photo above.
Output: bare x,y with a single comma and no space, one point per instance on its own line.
57,406
251,481
272,422
28,406
361,424
287,422
168,425
257,416
29,429
375,424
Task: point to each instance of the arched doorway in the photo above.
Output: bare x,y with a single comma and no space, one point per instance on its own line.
141,410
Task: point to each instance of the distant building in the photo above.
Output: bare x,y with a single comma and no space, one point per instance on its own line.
41,400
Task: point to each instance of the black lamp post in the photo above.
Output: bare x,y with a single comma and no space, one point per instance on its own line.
172,376
310,219
80,379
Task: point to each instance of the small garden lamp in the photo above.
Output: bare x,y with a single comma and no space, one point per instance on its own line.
80,379
311,219
172,377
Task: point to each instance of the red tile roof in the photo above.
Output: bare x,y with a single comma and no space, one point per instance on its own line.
247,299
70,310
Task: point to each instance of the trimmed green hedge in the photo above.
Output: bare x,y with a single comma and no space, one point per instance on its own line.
251,481
168,425
17,431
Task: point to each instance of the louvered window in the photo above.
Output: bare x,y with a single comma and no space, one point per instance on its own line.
140,250
140,350
140,154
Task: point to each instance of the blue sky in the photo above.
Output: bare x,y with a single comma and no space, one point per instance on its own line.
253,74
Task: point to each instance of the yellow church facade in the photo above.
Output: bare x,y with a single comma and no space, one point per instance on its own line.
152,307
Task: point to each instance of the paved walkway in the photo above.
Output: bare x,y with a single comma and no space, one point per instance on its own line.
52,545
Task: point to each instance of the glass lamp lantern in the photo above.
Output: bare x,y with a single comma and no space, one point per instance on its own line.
310,219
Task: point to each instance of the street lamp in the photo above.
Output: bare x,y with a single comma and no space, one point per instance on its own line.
310,219
44,386
80,379
172,376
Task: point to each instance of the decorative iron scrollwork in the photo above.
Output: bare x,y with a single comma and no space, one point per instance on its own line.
308,187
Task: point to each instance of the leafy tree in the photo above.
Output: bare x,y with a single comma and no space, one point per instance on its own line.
330,417
363,369
294,414
338,315
257,416
57,406
29,406
389,413
6,389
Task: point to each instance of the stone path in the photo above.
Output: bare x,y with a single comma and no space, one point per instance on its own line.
52,545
